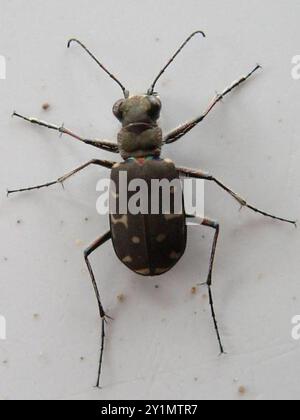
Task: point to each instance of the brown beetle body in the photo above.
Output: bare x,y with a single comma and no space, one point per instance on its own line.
148,244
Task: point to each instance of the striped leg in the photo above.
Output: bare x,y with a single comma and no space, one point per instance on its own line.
61,180
99,242
100,144
214,225
185,128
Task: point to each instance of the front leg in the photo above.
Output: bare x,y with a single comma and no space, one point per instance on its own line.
62,179
185,128
100,144
192,173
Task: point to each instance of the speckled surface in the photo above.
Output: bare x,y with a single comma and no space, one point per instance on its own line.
161,343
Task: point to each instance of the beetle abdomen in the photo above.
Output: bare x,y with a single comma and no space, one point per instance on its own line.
148,244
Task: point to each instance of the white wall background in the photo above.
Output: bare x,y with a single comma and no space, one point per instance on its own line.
162,342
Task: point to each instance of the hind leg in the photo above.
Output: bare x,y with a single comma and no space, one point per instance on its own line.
99,242
214,225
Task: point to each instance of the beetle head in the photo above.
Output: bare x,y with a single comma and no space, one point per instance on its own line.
138,109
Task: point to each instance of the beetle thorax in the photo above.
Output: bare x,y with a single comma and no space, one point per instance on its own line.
140,141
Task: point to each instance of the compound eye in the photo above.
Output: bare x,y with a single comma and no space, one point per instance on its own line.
117,109
155,106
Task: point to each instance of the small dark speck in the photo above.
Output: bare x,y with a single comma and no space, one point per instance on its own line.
196,379
86,219
280,121
156,286
121,298
46,106
157,39
294,298
19,222
194,290
82,358
242,391
65,261
5,259
5,362
203,236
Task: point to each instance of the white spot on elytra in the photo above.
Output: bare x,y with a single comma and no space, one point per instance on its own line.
136,240
160,238
175,255
114,195
123,220
143,271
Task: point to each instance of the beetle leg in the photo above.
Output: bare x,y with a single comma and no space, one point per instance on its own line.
103,316
191,173
100,144
185,128
61,180
216,226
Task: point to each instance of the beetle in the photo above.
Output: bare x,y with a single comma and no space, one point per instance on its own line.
148,244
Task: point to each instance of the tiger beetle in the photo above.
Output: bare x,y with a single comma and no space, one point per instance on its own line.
149,245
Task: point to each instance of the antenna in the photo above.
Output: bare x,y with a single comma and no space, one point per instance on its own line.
125,91
151,90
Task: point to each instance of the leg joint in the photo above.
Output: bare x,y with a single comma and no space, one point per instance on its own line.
211,223
86,253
